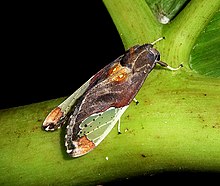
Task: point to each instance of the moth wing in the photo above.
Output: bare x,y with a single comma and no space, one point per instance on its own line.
55,117
93,130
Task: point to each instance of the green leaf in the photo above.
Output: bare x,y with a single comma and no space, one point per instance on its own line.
205,55
166,10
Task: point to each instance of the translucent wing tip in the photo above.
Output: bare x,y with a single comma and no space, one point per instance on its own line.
51,122
79,147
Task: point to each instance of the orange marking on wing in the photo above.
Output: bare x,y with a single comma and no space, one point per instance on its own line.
131,50
83,145
117,73
120,76
54,116
114,69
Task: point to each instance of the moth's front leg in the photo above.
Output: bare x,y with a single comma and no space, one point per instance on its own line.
163,64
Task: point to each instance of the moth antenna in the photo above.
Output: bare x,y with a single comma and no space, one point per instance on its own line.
159,39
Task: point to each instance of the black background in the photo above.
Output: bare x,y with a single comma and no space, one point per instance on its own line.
51,49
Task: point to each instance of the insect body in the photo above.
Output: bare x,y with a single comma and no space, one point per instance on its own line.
92,111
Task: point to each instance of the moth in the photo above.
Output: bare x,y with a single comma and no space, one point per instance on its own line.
92,111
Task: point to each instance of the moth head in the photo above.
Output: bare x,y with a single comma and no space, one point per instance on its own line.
153,51
138,57
153,54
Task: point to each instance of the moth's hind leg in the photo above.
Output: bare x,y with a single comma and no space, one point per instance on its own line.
163,64
119,122
119,126
136,101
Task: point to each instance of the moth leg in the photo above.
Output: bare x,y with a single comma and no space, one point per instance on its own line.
136,101
163,64
119,126
119,122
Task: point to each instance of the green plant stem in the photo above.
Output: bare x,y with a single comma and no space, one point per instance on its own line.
175,126
190,23
134,26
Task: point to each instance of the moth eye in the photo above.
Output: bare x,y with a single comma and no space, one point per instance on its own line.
158,58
